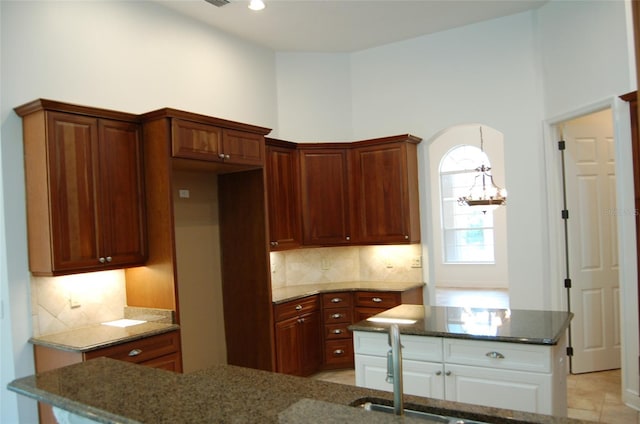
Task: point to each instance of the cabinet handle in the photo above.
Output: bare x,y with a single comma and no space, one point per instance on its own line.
495,355
221,155
438,372
102,260
135,352
338,352
337,331
109,259
448,373
227,156
336,300
406,237
376,299
298,307
336,316
348,238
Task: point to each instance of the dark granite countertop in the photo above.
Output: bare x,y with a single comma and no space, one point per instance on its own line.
111,391
285,294
502,325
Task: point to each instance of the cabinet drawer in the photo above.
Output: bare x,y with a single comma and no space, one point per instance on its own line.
336,300
337,331
297,307
374,299
513,356
418,348
338,352
141,350
337,315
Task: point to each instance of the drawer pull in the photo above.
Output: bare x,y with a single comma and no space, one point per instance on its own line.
495,355
376,299
336,316
338,352
336,300
298,307
337,331
135,352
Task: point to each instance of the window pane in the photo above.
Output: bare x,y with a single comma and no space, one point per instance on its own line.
469,246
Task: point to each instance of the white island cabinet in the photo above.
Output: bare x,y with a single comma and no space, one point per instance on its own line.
527,374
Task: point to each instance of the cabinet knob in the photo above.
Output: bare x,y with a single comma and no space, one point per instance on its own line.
406,237
221,155
495,355
300,320
109,258
448,373
102,260
274,243
348,238
438,372
336,316
227,156
337,331
338,352
336,300
298,307
376,300
135,352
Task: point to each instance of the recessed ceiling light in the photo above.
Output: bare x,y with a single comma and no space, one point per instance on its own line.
256,5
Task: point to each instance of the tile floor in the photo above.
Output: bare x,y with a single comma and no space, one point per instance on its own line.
592,397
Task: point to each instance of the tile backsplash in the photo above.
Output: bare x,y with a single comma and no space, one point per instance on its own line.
393,263
73,301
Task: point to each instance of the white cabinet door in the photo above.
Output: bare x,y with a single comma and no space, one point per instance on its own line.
419,378
518,390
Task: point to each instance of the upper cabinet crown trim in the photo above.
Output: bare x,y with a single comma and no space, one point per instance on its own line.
53,105
204,119
408,138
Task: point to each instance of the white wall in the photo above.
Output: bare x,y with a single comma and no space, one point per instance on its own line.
314,97
128,56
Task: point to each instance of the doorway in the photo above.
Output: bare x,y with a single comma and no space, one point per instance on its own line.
592,280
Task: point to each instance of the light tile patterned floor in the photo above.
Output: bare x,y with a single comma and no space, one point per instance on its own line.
593,397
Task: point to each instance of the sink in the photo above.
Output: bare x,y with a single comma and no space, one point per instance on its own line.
429,417
124,322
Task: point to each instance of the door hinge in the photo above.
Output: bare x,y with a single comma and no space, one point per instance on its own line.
567,283
569,351
561,145
565,214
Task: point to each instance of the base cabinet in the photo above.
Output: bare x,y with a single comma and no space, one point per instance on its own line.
529,378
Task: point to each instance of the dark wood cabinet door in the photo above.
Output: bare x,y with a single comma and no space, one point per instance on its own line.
122,189
192,140
325,196
385,208
242,148
283,197
73,185
311,343
288,355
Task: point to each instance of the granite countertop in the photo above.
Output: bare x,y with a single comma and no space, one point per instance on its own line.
111,391
284,294
502,325
98,336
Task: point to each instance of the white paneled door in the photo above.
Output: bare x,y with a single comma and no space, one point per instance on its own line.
592,242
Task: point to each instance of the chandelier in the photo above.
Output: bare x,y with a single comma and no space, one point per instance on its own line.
484,193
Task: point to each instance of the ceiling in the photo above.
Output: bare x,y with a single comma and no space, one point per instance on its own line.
344,25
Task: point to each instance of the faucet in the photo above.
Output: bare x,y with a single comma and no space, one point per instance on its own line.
394,368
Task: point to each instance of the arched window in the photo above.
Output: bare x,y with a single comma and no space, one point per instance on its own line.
467,248
467,233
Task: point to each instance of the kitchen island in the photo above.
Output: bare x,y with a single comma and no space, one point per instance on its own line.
111,391
494,357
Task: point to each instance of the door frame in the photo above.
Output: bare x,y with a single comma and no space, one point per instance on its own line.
626,232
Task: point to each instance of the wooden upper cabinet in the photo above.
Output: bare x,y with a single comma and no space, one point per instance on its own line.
385,193
283,194
203,141
85,208
326,210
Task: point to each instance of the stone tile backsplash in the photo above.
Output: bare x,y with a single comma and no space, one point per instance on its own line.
392,263
101,297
